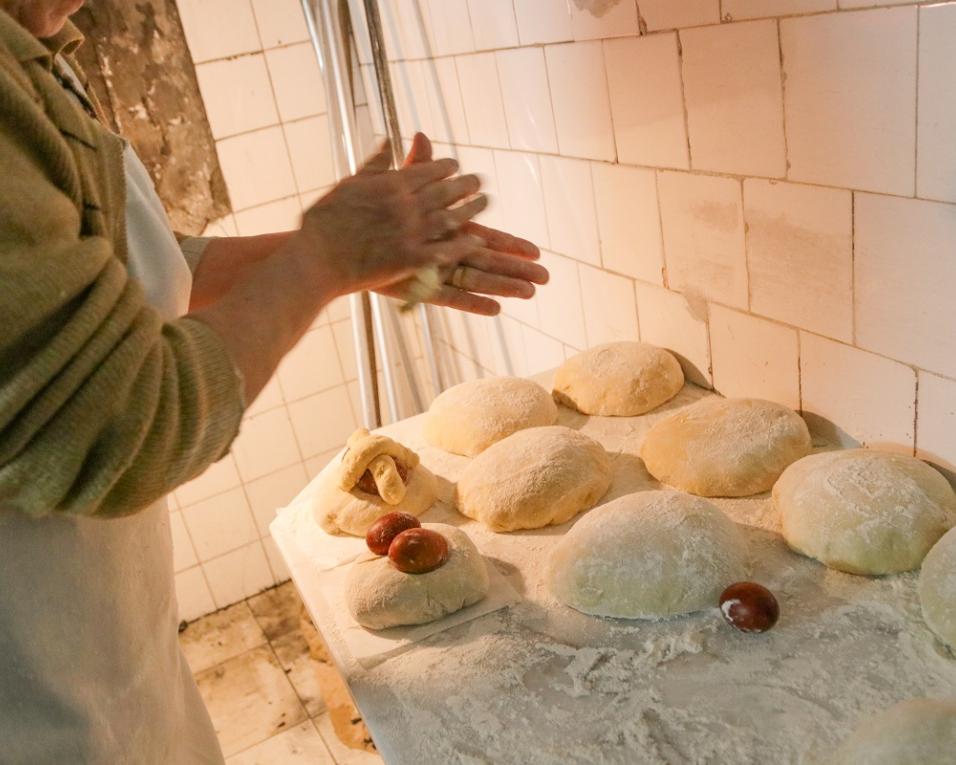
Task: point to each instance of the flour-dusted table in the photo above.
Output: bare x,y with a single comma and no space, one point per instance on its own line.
540,683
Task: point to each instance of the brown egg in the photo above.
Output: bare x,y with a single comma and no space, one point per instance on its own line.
418,551
367,483
750,607
381,533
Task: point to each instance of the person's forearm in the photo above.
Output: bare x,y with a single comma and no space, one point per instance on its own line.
264,314
225,263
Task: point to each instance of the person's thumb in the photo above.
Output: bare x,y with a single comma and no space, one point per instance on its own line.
379,162
421,150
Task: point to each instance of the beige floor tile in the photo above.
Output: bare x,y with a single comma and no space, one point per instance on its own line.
300,746
249,699
343,754
220,636
292,650
277,610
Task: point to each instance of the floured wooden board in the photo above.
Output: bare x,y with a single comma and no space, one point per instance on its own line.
541,684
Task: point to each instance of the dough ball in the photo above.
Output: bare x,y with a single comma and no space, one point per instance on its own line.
534,478
864,511
378,595
647,555
618,379
937,589
352,512
721,447
470,417
914,732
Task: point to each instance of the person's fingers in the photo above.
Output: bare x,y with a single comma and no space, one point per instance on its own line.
449,251
507,265
438,224
379,162
422,173
421,150
468,210
441,194
474,280
499,240
452,297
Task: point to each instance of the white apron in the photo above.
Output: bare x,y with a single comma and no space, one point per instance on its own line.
90,666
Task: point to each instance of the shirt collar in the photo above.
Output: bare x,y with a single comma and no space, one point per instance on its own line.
25,47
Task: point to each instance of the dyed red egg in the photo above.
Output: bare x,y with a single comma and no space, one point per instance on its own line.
367,483
381,533
418,551
750,607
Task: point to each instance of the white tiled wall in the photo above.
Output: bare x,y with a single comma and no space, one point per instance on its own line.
771,195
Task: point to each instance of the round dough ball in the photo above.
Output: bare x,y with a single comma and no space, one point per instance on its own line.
618,379
470,417
721,447
647,555
534,478
864,511
913,732
378,595
937,589
352,512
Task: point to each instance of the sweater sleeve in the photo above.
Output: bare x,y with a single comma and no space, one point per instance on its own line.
103,407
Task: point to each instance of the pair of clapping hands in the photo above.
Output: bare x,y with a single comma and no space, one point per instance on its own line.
381,227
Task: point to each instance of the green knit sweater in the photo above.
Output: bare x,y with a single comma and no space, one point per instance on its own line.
103,407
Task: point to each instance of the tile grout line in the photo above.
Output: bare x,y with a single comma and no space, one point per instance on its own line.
919,16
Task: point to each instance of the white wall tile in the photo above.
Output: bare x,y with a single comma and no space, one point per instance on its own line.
297,81
851,396
323,421
272,492
936,423
411,100
754,358
265,444
799,249
675,14
582,111
520,196
192,595
310,146
202,24
220,524
734,103
217,478
543,21
560,310
629,221
443,94
370,85
867,3
280,571
493,24
342,331
237,94
269,398
238,575
851,98
405,23
281,215
526,99
449,27
481,95
184,555
256,167
610,308
312,366
735,10
569,204
703,228
543,352
482,162
936,154
644,82
905,280
617,19
668,320
280,22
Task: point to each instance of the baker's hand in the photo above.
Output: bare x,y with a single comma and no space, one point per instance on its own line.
498,264
380,226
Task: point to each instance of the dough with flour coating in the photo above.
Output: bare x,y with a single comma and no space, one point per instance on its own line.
647,555
623,379
721,447
534,478
937,589
468,418
864,511
913,732
379,596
